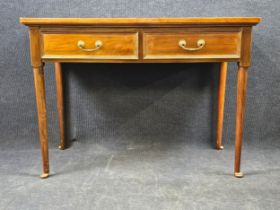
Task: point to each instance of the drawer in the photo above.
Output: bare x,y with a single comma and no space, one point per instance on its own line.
192,45
90,46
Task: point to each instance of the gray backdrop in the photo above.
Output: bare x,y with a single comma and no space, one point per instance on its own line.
146,101
145,133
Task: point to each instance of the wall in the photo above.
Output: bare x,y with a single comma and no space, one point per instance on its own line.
133,103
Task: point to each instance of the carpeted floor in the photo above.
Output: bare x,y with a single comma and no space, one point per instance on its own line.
143,131
140,176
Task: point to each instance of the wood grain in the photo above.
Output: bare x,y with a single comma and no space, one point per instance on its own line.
142,21
115,45
38,72
35,52
240,111
221,104
60,103
42,116
246,46
218,45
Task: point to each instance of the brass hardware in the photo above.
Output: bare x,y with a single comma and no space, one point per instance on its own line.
238,174
221,147
44,175
61,147
81,44
200,44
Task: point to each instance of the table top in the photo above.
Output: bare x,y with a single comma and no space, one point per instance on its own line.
143,21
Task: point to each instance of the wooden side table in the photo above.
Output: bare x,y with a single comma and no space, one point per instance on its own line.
140,40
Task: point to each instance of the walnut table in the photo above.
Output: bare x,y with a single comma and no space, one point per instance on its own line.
140,40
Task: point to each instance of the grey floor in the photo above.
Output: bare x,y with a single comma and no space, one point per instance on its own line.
139,176
158,159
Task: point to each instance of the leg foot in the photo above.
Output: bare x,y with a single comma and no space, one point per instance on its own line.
221,147
61,147
238,174
44,175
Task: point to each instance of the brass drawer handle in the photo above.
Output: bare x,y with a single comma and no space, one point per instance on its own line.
81,44
200,44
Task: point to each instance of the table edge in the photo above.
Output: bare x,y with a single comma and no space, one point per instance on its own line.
142,21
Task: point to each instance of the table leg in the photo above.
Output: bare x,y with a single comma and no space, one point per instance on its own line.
221,102
60,104
42,116
240,111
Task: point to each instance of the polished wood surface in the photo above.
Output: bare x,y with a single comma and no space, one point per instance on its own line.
140,40
221,104
60,104
143,21
42,116
39,83
218,45
240,111
246,42
115,45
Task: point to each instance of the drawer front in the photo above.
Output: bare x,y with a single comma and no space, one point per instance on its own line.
90,46
192,45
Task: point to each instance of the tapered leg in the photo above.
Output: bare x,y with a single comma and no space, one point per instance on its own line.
60,104
42,117
241,94
221,102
